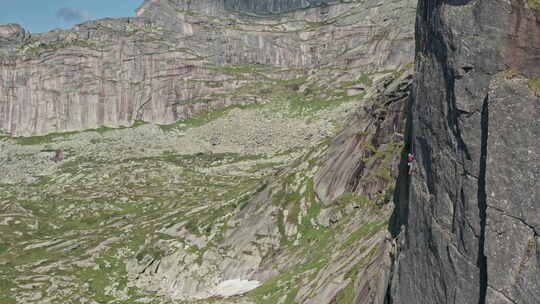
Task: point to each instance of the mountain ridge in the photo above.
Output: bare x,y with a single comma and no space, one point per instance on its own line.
176,63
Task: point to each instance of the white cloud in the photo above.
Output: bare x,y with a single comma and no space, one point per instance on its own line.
68,14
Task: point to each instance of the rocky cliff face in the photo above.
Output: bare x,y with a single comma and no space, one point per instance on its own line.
468,217
174,59
246,6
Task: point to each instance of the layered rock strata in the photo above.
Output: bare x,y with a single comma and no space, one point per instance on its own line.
179,58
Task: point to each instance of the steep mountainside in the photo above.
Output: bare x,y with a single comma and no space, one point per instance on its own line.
218,152
178,58
468,218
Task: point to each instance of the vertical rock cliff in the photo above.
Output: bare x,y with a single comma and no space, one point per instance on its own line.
468,217
264,7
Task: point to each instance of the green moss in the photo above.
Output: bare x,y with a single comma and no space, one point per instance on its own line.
203,118
109,271
153,252
387,196
365,79
346,295
281,227
311,101
189,12
193,226
314,251
241,68
310,233
195,250
136,123
534,4
510,73
37,140
51,137
291,295
290,201
9,300
98,281
383,173
243,202
367,259
5,286
349,198
367,230
534,84
36,48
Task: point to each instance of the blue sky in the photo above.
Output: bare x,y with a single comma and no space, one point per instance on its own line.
44,15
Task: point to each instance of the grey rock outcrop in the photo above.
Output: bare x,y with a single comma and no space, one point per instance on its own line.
11,36
369,143
363,160
468,218
174,59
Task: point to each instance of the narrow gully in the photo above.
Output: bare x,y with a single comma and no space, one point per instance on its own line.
482,203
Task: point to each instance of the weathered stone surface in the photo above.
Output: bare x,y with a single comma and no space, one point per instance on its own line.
363,160
512,196
467,217
370,142
216,6
11,36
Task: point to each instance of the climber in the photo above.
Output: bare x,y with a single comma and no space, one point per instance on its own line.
410,162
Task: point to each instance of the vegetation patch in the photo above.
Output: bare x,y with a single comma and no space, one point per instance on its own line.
36,48
151,251
203,118
349,198
365,231
534,4
534,84
242,68
365,79
346,295
387,195
510,73
51,137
